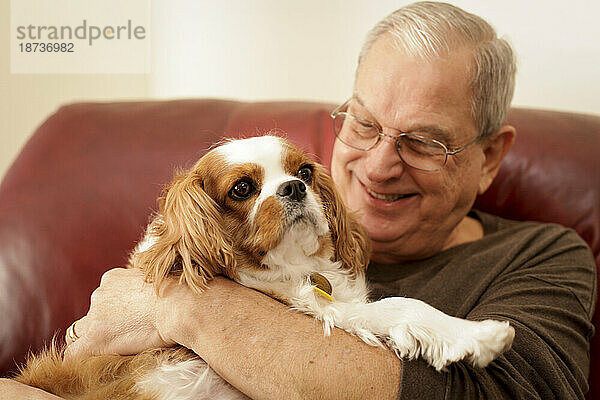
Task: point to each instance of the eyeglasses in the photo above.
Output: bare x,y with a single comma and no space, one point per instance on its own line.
415,150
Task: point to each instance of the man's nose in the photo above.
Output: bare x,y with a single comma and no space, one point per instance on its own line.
383,161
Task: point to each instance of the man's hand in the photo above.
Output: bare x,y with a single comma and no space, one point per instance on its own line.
124,317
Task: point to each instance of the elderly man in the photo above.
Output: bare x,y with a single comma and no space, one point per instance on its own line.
421,136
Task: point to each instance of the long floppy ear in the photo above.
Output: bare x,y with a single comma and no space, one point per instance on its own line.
187,237
351,242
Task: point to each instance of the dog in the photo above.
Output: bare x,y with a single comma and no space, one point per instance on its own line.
264,214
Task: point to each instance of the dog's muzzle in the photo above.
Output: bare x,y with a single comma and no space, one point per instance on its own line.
292,195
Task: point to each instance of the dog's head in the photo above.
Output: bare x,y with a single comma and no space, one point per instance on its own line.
237,204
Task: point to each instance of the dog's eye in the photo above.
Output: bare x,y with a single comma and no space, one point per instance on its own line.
306,174
241,190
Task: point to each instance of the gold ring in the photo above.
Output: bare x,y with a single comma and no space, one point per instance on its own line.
71,336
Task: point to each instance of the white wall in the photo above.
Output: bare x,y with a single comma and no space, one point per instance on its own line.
26,100
265,49
273,49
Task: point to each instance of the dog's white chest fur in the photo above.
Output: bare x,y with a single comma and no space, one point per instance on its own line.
288,270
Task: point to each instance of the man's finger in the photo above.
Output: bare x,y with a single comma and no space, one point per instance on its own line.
76,330
77,339
78,349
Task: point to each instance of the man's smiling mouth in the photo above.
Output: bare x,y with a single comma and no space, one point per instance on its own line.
388,197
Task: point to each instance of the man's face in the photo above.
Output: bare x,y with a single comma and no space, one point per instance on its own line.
410,95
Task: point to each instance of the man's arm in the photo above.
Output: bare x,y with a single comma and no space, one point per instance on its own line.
259,345
10,389
268,351
544,284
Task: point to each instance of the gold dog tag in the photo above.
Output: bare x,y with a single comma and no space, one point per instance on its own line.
322,286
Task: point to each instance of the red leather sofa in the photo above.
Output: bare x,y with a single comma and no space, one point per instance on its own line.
79,195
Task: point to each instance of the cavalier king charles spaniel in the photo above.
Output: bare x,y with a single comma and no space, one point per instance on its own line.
264,214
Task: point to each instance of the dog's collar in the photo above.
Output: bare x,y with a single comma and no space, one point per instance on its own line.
322,286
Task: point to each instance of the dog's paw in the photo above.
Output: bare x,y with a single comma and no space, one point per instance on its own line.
477,341
404,342
490,339
414,329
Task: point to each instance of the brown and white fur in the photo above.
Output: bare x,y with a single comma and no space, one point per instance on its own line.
265,215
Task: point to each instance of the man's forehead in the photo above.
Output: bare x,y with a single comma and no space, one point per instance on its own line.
412,94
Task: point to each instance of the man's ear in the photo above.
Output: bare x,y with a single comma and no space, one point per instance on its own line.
494,150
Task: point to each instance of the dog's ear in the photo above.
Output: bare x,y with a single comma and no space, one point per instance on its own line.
351,242
187,237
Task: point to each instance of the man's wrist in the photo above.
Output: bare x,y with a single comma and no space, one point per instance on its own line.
182,313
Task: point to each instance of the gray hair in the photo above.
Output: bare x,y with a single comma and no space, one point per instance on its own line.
430,29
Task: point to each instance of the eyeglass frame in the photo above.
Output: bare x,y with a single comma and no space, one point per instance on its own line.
396,138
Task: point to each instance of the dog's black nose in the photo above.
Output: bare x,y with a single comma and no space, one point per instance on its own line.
294,190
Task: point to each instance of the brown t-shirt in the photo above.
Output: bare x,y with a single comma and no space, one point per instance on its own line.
539,277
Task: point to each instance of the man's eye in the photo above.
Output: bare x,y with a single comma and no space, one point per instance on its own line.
363,128
306,174
241,190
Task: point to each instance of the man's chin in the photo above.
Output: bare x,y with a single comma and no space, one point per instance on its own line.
381,230
385,241
383,238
